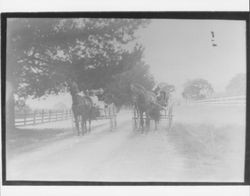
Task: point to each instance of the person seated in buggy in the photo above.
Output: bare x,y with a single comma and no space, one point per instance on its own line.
163,94
162,98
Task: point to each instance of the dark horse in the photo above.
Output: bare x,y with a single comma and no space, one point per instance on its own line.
145,106
82,107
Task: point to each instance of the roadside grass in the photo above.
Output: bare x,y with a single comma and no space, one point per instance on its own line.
20,140
207,142
28,138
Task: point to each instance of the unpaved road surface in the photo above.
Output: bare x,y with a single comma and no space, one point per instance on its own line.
195,149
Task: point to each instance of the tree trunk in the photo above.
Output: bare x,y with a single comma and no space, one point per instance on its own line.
10,107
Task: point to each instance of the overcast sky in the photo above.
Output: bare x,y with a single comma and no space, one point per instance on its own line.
178,50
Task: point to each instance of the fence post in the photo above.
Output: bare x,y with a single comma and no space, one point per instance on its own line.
34,118
56,116
66,115
24,118
61,115
49,115
42,116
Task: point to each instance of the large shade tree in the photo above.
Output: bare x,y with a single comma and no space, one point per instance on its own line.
197,89
135,71
44,55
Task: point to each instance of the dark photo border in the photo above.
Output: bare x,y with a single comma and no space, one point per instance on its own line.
244,16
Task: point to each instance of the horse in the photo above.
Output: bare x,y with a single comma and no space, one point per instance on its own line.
145,105
82,108
155,113
165,99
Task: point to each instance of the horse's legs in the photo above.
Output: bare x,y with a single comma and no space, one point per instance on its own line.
83,123
85,126
147,121
141,121
77,123
115,121
111,123
89,125
136,119
156,123
136,116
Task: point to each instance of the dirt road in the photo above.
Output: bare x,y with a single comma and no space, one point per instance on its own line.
187,152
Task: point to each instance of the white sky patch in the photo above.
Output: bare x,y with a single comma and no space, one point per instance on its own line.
50,101
178,50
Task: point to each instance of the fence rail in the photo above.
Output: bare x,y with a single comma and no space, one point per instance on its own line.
40,117
233,100
47,116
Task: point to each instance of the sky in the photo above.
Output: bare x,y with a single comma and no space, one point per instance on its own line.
179,50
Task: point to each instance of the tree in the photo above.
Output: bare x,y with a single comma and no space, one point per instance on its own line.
23,109
197,89
136,71
43,55
237,85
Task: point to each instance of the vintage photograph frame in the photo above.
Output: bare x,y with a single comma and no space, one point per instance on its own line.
242,16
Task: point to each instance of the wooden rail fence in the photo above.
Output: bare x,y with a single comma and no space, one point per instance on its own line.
41,116
233,100
47,116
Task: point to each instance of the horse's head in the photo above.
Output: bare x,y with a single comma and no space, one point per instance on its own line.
108,98
73,87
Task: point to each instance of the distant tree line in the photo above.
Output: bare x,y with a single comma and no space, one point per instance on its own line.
198,89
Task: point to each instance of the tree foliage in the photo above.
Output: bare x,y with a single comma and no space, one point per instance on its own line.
237,85
135,71
43,54
197,89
